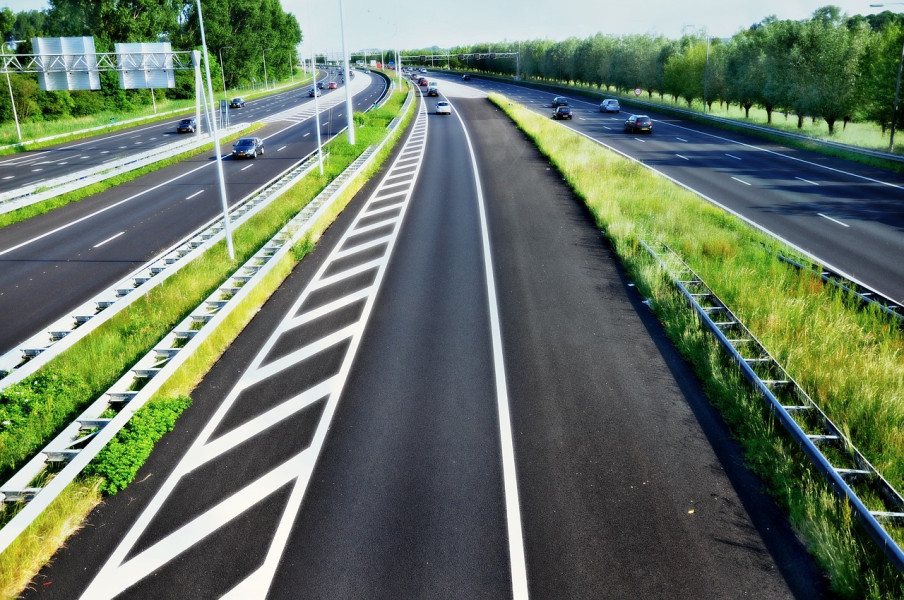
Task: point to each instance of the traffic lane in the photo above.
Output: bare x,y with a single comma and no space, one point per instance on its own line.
68,263
630,484
56,161
406,499
241,544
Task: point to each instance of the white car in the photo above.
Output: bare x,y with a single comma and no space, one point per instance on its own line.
443,108
609,106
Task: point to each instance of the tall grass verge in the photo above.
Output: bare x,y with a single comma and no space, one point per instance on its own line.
850,360
149,320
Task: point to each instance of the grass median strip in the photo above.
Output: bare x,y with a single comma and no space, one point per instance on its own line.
849,359
103,356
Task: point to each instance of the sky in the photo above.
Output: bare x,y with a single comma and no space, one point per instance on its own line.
413,24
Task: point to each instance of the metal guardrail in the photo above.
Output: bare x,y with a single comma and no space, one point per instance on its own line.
845,468
36,351
863,293
38,192
83,439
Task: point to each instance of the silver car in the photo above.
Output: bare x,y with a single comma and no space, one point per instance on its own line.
609,106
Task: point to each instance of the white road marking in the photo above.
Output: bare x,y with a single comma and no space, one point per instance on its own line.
307,134
806,181
123,568
833,220
741,181
247,167
681,139
109,239
732,156
281,149
9,177
684,157
195,194
509,473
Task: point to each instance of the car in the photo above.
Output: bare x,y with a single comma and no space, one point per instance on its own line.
314,92
332,85
562,112
249,147
319,85
443,108
422,81
609,105
466,77
237,103
186,126
423,70
432,91
559,101
637,123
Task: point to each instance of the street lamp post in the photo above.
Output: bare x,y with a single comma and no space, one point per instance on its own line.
263,54
894,108
348,81
222,71
12,99
216,143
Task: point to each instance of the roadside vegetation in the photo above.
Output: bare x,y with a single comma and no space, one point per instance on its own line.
832,68
86,370
849,359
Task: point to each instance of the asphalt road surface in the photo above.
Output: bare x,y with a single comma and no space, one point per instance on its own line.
66,256
848,215
457,395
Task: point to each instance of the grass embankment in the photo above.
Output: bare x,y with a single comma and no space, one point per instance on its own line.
91,366
850,360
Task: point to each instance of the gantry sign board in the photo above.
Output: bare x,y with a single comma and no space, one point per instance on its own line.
144,66
71,63
68,63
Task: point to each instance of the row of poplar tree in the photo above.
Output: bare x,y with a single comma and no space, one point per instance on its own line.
831,66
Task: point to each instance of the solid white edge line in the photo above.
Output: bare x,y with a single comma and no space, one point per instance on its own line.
509,472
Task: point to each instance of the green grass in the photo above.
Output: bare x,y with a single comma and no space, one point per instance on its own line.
106,353
850,360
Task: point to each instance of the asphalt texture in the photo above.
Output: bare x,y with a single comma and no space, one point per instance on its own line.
630,485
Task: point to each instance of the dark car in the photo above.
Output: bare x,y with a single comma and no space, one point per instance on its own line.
248,148
559,101
314,92
237,103
562,112
432,91
186,126
319,85
637,123
466,77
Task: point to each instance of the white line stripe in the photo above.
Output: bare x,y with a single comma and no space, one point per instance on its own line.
358,270
833,220
195,194
732,156
684,157
681,139
248,167
109,239
806,181
741,181
509,473
393,185
392,195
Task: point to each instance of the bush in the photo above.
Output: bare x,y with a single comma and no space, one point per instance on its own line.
120,460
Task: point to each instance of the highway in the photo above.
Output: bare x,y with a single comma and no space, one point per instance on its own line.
457,395
66,256
848,215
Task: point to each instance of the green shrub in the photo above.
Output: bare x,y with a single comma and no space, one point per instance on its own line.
120,460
